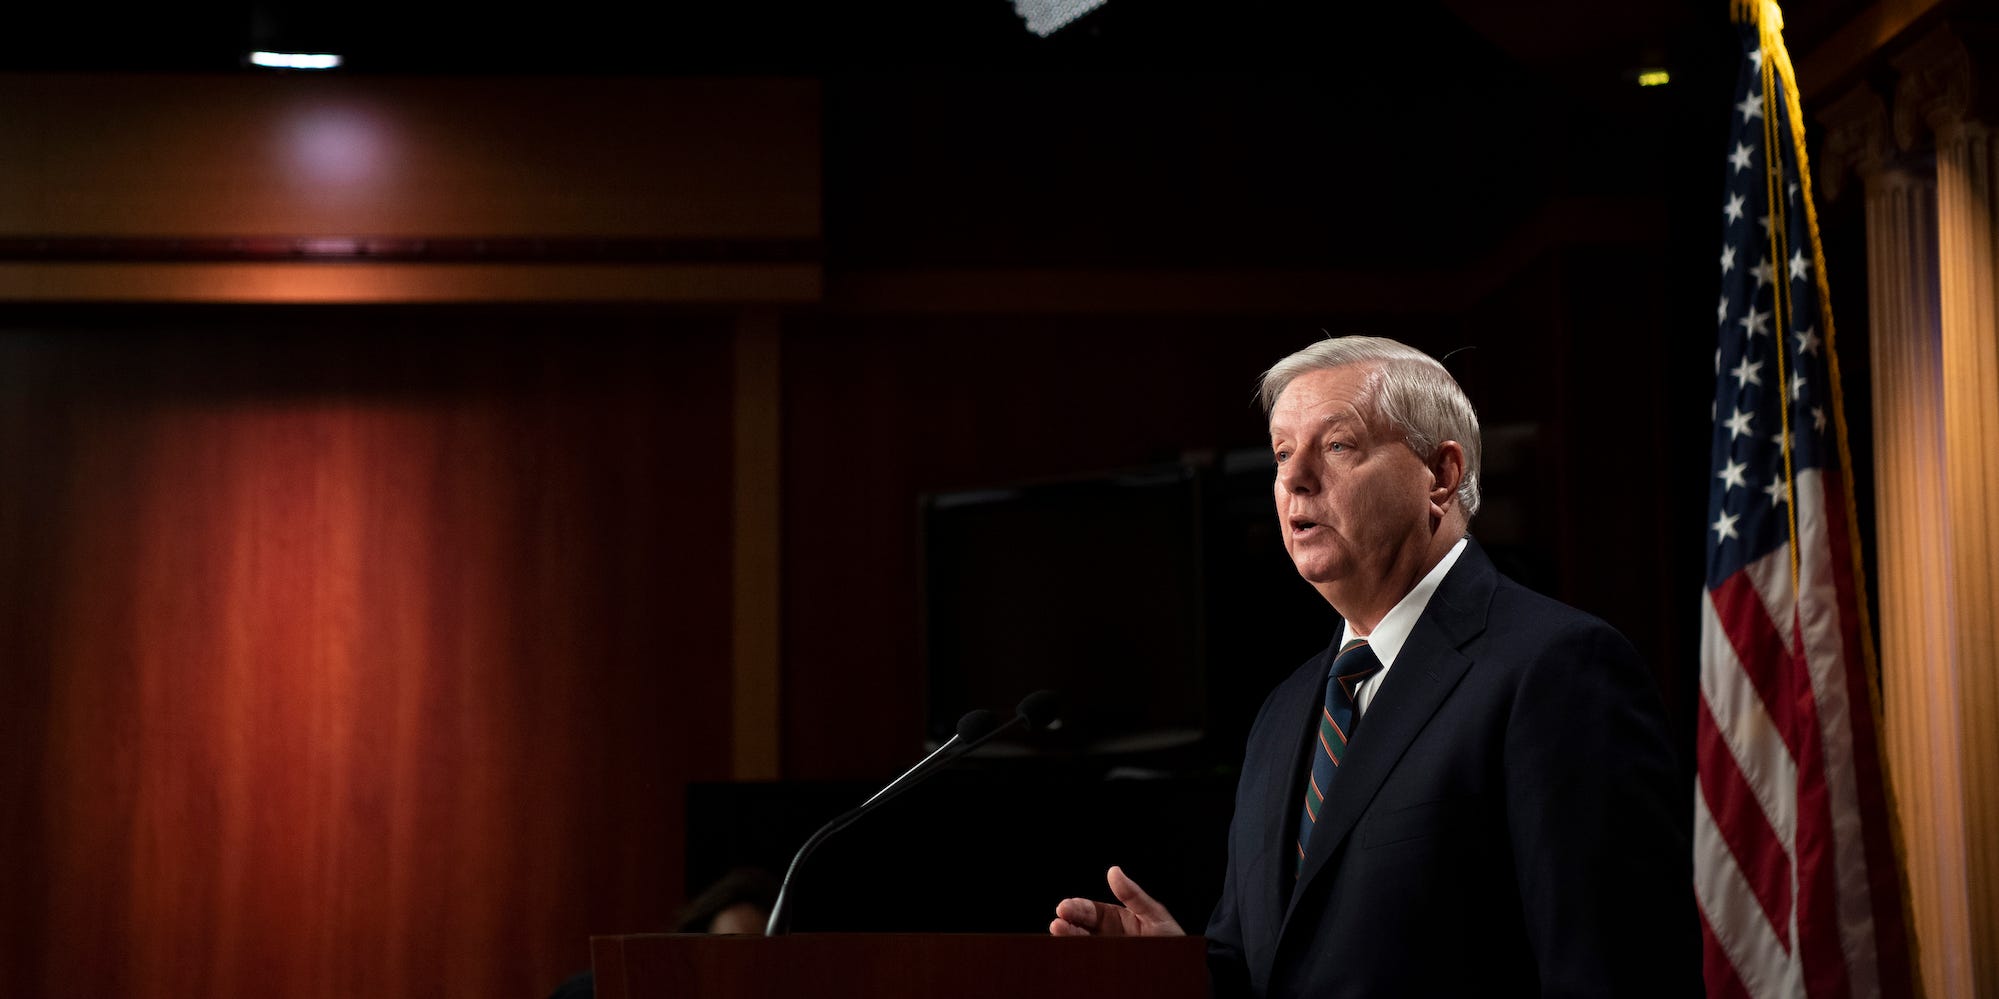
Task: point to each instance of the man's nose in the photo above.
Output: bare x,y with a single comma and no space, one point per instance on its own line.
1296,475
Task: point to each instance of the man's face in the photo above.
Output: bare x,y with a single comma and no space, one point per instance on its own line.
1351,496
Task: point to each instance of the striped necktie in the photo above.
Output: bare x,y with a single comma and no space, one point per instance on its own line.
1337,720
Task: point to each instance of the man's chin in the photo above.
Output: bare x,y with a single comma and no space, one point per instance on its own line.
1318,573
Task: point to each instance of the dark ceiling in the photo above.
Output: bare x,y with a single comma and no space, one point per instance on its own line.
1585,42
1148,132
810,38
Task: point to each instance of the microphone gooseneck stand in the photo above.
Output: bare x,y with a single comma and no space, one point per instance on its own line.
1036,711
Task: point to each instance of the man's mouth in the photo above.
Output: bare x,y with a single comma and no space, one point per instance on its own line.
1299,526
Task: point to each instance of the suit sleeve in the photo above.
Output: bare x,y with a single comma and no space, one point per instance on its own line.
1228,972
1228,962
1599,823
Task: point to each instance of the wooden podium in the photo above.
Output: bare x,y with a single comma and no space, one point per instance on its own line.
890,965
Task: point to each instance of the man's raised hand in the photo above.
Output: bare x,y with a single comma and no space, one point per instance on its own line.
1139,916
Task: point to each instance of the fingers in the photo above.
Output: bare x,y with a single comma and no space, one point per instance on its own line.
1151,918
1134,898
1140,915
1082,914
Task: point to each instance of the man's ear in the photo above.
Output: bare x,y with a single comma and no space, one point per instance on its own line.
1447,473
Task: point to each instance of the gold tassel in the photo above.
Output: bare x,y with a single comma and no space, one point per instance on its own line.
1759,12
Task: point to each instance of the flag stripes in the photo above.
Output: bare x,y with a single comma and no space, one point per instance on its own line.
1745,828
1794,869
1738,938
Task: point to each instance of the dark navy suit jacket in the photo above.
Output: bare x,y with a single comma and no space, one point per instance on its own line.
1508,820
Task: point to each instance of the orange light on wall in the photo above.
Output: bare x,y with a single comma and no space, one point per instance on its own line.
368,654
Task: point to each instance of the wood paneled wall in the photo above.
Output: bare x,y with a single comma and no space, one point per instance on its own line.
353,655
580,190
233,155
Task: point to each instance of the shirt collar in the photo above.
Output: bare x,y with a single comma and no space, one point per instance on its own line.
1393,631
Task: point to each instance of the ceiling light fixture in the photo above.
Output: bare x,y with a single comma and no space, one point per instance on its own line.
295,60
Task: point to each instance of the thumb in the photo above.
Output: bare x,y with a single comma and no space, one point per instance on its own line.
1134,898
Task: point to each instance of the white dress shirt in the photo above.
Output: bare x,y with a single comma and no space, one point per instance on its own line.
1393,631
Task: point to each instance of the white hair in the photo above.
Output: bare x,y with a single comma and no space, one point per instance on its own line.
1408,388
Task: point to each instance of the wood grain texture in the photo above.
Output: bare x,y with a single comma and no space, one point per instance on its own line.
354,653
961,965
240,154
757,545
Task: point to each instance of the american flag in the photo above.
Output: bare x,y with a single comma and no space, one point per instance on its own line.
1794,868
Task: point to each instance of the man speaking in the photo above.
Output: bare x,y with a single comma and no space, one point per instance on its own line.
1471,792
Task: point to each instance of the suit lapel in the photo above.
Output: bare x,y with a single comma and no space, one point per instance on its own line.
1426,670
1283,796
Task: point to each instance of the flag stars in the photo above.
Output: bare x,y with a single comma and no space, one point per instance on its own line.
1731,475
1739,423
1763,273
1755,322
1756,56
1724,527
1775,421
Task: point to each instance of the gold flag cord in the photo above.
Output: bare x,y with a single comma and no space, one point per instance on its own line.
1770,24
1777,224
1780,80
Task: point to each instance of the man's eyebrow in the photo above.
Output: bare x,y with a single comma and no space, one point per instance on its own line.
1335,418
1332,418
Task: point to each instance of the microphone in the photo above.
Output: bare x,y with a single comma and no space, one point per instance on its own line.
1039,710
974,728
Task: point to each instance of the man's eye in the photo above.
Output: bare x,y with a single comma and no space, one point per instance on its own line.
1337,446
1280,456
